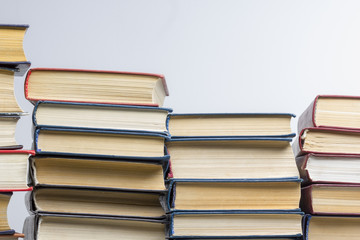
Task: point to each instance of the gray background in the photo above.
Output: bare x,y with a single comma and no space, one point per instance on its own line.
217,56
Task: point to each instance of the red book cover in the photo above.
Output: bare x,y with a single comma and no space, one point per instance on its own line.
26,86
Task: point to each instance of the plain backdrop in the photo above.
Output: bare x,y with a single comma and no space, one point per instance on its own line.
217,56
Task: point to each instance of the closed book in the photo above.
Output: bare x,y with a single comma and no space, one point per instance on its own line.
14,170
332,227
12,56
8,102
232,158
333,111
224,125
97,173
329,168
100,143
100,116
88,201
234,195
93,86
4,202
331,199
71,227
327,141
232,225
8,123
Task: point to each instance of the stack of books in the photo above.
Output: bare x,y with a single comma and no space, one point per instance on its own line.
100,161
13,160
328,158
233,176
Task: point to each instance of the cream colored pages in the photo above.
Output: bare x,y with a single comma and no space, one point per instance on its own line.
101,143
338,112
4,201
11,44
101,117
236,224
92,87
98,202
60,228
8,101
13,171
7,131
237,195
229,125
232,159
100,173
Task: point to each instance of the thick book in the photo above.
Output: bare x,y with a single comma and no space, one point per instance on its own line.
100,143
12,54
73,85
329,168
327,141
74,227
332,111
14,170
235,195
100,116
97,173
8,123
80,201
331,227
232,225
331,199
230,124
8,102
232,158
4,202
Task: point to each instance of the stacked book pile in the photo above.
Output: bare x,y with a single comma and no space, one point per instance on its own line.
13,160
100,161
233,176
328,158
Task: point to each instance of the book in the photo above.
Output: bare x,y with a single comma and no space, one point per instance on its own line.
332,227
4,202
71,227
230,124
332,111
252,224
66,171
101,86
100,143
331,199
329,168
96,202
327,141
12,54
100,116
8,123
232,158
8,102
209,195
14,170
14,236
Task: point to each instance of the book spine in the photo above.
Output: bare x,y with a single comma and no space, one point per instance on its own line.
306,119
301,162
306,200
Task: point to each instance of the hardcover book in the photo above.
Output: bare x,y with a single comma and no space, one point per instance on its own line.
230,124
329,168
232,158
327,141
12,54
252,224
96,202
100,143
331,199
100,116
74,227
72,85
214,195
8,102
66,171
8,123
4,202
332,227
332,111
14,170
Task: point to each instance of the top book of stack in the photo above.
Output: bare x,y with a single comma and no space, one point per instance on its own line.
12,56
90,86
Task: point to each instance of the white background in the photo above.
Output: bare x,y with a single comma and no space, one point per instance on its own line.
217,56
